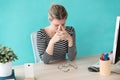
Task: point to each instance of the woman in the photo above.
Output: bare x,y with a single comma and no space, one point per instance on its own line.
56,40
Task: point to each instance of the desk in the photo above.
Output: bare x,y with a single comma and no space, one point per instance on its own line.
55,72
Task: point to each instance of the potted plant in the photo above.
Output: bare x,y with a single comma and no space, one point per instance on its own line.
6,57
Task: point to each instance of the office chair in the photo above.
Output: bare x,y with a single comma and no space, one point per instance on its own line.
34,46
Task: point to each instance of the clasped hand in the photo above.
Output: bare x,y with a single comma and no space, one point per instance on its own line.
60,34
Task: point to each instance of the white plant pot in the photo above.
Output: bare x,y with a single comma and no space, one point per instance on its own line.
5,69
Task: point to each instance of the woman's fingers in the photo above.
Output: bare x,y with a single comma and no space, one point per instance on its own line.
63,28
61,33
59,28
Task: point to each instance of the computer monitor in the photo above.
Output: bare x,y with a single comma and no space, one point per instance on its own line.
116,46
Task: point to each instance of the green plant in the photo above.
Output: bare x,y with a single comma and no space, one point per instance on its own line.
7,54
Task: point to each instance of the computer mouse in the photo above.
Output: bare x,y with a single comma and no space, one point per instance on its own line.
93,69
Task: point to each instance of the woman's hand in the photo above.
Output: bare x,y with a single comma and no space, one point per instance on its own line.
61,34
57,37
66,36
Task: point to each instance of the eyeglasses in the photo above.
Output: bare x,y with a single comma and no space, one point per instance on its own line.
66,67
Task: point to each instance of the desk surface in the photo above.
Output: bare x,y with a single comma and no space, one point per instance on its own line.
67,70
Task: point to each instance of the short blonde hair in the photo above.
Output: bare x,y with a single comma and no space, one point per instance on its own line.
57,12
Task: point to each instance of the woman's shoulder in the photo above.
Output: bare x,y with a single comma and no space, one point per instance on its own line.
41,32
70,29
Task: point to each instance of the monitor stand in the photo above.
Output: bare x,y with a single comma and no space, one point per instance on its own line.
116,68
118,64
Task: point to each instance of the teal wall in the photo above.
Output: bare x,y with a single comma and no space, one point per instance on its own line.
93,20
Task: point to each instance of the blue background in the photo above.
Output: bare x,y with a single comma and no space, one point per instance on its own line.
93,20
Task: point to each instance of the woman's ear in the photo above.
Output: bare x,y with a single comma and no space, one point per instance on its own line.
49,18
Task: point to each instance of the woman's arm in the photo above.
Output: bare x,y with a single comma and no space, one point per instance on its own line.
72,46
41,45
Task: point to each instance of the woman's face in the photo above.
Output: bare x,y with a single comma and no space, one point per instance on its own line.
55,23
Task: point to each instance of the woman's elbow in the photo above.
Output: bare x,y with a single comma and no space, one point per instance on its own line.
46,62
72,57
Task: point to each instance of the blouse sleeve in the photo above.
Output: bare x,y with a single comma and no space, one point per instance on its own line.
72,50
41,45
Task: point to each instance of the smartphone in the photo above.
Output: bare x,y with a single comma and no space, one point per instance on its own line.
29,70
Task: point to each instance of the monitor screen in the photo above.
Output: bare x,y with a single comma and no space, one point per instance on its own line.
116,46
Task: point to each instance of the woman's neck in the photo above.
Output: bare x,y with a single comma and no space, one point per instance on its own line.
49,31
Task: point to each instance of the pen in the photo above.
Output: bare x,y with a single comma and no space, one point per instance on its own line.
102,57
106,57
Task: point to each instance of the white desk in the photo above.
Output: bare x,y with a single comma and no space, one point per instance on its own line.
57,71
